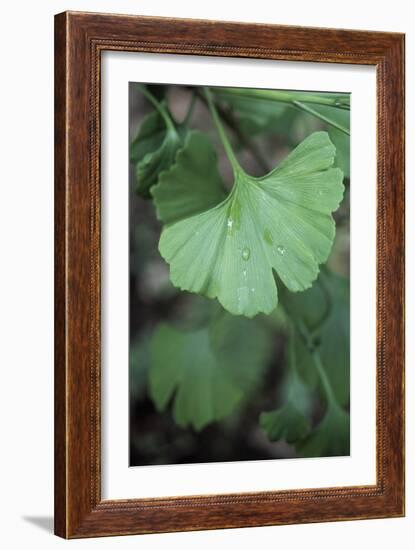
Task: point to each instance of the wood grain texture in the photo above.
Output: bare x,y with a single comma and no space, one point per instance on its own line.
79,40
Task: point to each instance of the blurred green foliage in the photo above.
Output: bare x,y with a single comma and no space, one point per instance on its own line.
208,370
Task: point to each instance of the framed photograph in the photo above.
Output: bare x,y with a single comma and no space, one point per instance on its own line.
229,275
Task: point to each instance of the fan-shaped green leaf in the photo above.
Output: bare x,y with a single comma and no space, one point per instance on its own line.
280,222
289,422
149,138
286,423
192,184
153,150
208,371
330,438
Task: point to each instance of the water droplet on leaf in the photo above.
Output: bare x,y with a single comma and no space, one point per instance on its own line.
281,249
246,253
243,295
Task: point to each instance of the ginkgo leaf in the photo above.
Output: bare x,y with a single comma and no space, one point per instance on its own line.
289,422
281,222
153,150
149,138
330,438
192,184
207,371
286,423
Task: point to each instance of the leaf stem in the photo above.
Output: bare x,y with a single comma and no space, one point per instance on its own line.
158,106
340,101
189,113
244,140
296,99
222,134
328,390
328,309
325,119
291,345
331,398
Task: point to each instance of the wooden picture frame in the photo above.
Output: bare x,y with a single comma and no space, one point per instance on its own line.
79,40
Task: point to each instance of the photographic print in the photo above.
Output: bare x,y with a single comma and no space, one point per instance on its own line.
239,274
204,270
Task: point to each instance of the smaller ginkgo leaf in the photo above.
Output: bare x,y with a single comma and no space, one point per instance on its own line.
149,137
330,438
280,222
192,184
153,151
206,372
286,423
289,422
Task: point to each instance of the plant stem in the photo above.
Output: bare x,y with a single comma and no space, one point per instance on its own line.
291,348
158,106
286,96
244,140
296,99
325,119
224,138
328,390
329,305
189,113
331,398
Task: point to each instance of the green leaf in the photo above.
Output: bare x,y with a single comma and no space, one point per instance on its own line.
149,138
243,346
207,372
286,423
153,151
324,310
192,184
289,422
330,438
281,221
